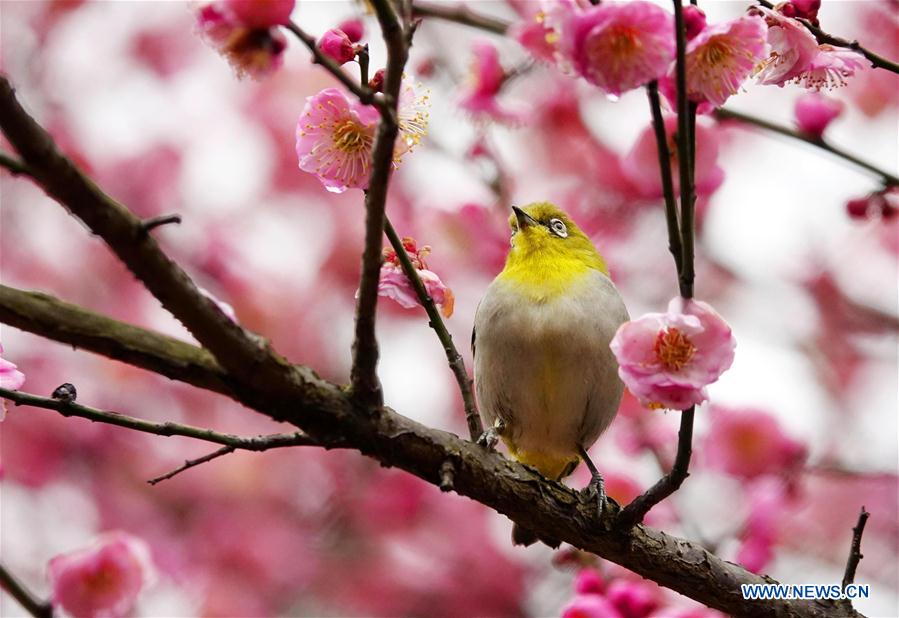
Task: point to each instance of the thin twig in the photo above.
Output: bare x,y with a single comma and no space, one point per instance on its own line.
366,387
829,39
191,463
456,363
15,588
460,14
13,165
65,408
634,512
658,123
363,92
855,552
154,222
728,114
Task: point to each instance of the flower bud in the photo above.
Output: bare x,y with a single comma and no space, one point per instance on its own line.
858,208
376,83
336,44
694,20
807,9
354,29
815,112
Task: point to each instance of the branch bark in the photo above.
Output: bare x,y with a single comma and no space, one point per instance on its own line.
15,588
460,14
326,413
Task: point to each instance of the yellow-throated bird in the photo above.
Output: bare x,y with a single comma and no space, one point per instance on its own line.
545,376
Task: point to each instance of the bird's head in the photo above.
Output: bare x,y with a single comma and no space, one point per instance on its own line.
542,233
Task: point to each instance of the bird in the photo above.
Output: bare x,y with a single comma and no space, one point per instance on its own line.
546,380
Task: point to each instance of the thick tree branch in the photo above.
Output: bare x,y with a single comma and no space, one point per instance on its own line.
727,114
855,552
456,363
123,232
325,413
49,317
829,39
365,384
460,14
15,588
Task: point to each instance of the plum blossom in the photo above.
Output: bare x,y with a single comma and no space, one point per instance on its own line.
487,79
590,606
395,285
792,49
336,44
767,498
667,359
334,135
245,33
721,57
748,443
633,599
103,580
830,68
619,46
353,28
815,112
10,378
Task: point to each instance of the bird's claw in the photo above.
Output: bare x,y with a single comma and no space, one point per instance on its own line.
489,438
596,490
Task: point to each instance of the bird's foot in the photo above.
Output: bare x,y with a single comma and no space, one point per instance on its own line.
596,490
489,438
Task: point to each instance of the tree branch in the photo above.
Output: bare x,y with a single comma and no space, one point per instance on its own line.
15,588
658,124
55,319
13,165
727,114
456,363
460,14
823,37
70,408
123,232
326,414
363,376
634,512
855,552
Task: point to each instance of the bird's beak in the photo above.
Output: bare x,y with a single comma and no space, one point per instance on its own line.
524,219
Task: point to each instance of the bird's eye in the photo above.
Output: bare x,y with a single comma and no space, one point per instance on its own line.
558,228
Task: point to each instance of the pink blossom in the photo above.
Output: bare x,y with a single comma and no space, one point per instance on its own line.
354,29
721,57
10,377
103,580
667,359
590,606
619,46
694,21
815,112
487,79
767,498
589,581
830,68
633,599
259,13
536,37
807,9
641,165
792,49
336,44
749,442
244,32
334,140
395,285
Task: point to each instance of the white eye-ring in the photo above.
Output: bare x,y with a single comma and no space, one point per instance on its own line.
558,228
